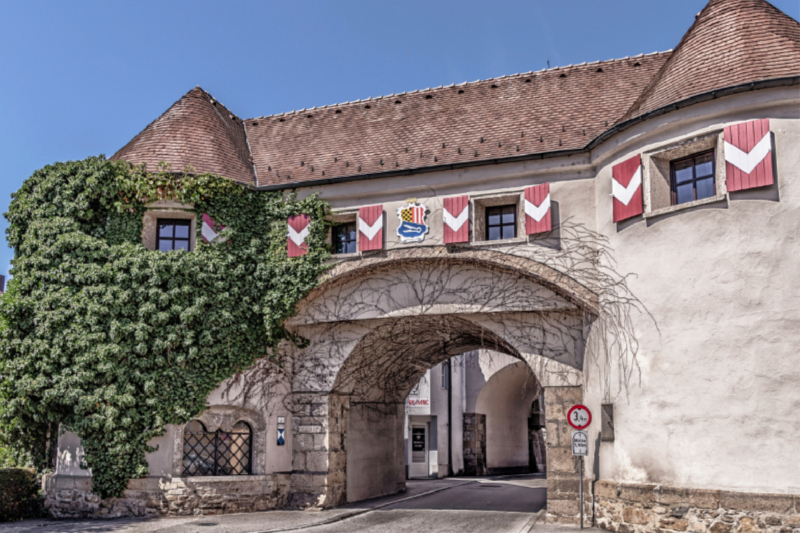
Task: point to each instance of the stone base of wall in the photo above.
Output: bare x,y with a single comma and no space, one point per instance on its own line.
633,508
474,444
71,496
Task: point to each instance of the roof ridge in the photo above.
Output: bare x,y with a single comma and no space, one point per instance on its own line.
462,84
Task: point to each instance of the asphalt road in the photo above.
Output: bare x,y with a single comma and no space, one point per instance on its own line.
459,505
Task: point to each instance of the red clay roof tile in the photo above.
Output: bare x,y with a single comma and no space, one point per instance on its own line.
558,109
731,42
197,131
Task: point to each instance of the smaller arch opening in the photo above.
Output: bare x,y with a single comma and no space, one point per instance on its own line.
563,76
367,106
494,86
600,69
398,102
528,80
338,111
461,91
637,64
281,120
428,96
309,116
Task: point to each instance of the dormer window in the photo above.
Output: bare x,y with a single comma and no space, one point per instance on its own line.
173,234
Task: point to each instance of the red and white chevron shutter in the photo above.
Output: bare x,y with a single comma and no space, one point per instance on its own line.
538,217
626,188
748,155
456,219
370,228
297,231
208,230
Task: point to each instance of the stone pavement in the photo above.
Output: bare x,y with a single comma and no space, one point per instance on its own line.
512,504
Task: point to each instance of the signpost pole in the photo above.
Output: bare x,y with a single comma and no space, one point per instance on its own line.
580,487
579,417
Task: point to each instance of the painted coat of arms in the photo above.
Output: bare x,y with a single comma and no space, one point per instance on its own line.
413,226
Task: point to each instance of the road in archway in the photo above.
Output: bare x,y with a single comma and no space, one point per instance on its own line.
457,505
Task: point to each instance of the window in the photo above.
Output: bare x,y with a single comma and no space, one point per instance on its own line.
693,178
173,234
344,238
217,453
501,222
446,375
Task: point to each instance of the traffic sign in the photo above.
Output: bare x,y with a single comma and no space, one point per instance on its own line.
580,443
579,417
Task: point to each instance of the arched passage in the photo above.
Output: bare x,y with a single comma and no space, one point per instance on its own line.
505,400
376,325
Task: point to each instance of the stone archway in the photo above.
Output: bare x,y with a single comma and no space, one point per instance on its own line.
375,325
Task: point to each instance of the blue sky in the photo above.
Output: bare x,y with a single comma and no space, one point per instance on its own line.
81,78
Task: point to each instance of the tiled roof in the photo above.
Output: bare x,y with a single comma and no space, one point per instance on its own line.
198,131
558,109
731,42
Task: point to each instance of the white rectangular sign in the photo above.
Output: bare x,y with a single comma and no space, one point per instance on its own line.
580,443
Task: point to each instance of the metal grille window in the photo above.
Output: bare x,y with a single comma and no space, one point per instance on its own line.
218,453
501,222
344,238
173,235
693,178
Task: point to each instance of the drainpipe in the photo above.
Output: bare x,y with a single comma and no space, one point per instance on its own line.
450,417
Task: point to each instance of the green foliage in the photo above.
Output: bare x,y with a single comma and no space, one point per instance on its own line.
113,341
19,494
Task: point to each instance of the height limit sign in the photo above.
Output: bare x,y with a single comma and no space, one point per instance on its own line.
579,417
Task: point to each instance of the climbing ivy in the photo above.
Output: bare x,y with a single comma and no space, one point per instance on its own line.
114,341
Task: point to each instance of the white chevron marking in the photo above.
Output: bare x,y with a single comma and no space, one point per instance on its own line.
298,237
370,231
208,232
748,161
537,213
624,194
455,223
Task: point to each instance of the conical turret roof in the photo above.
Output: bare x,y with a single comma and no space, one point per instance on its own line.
731,42
198,131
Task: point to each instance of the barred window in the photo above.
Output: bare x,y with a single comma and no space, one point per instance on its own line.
218,453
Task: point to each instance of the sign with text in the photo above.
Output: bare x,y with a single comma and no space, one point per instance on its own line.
580,443
579,417
418,402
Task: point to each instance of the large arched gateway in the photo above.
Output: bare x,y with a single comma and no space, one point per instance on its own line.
375,326
627,229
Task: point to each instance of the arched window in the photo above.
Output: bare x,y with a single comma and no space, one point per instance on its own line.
218,453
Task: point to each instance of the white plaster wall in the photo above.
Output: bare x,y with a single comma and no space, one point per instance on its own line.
70,454
716,403
375,451
270,406
506,400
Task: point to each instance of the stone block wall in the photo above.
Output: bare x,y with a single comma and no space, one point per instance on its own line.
319,462
474,444
634,508
71,496
562,467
